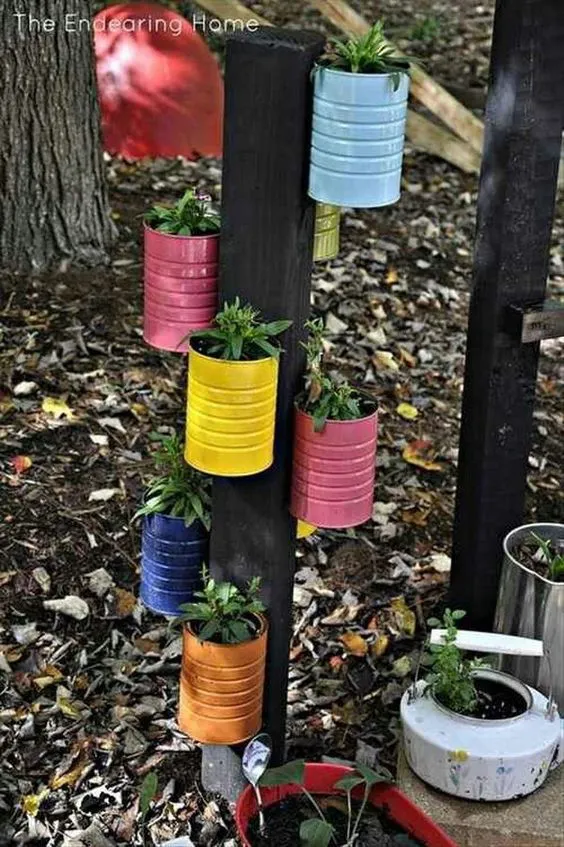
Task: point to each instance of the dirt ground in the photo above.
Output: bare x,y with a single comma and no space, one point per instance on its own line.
87,706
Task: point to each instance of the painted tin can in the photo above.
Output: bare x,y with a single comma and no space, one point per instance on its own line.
172,555
357,138
327,232
531,605
221,688
230,415
334,471
180,287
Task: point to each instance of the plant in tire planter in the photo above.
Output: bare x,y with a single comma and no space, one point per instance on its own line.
335,437
231,402
223,662
181,269
293,809
176,523
359,114
531,602
476,732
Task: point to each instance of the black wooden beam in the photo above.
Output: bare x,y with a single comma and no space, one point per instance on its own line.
523,134
266,259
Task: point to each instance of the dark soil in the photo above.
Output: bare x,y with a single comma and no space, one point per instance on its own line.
497,701
283,822
529,554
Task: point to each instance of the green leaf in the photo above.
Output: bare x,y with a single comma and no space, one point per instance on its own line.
316,833
347,783
148,791
208,631
292,773
372,777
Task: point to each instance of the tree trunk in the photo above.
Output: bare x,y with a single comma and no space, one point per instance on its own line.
53,198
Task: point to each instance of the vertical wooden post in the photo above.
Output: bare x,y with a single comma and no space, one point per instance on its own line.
524,122
266,256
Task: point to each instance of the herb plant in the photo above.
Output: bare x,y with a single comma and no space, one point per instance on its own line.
325,398
371,53
239,334
451,678
224,613
180,491
318,831
191,215
554,561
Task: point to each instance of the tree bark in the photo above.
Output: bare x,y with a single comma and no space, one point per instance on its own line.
53,197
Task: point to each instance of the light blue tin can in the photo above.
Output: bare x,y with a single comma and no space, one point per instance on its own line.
357,138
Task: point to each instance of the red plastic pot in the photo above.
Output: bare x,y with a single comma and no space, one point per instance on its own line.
334,471
320,779
180,287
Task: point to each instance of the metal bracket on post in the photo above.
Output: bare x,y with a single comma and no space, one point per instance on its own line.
537,322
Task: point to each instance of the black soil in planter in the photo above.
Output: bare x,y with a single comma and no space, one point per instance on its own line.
283,824
526,552
497,701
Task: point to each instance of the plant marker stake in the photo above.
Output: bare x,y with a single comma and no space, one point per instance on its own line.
266,259
256,757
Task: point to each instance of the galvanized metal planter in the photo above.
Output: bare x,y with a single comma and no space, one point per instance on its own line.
221,688
478,759
532,606
180,287
357,138
230,415
334,471
172,555
327,232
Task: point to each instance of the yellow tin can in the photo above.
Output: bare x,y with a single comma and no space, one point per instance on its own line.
327,231
230,415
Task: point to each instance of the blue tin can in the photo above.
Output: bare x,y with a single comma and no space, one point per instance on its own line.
172,555
357,138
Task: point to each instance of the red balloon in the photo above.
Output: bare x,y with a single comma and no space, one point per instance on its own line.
160,88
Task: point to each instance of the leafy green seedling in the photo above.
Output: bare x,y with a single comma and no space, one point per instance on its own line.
370,53
318,831
224,613
191,215
325,398
451,677
180,491
238,333
554,561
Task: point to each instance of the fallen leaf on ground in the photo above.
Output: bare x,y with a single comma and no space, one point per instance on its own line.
380,646
21,464
404,617
125,602
354,644
422,454
407,411
6,577
103,494
57,408
71,605
402,666
440,562
384,360
32,802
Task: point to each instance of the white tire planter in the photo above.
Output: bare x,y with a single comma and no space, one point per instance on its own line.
478,759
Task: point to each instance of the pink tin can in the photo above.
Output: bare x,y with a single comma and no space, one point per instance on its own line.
334,471
180,287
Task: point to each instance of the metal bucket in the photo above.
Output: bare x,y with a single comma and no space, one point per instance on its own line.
333,471
357,138
532,606
172,555
180,287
